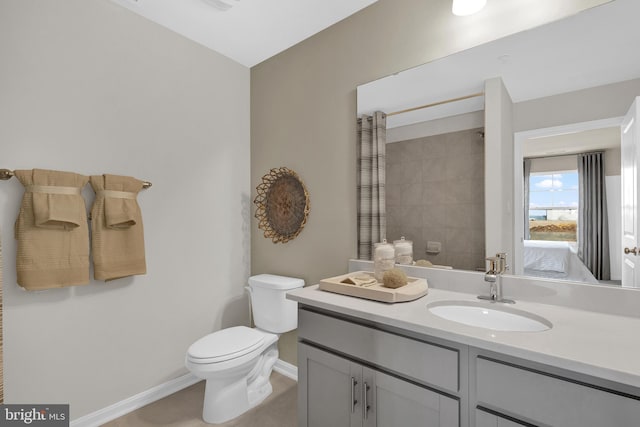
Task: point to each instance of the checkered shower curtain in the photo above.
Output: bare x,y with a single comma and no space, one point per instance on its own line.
372,221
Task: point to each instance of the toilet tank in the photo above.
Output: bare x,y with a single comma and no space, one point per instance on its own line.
272,312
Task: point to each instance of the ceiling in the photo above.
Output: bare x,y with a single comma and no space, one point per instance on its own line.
595,47
250,31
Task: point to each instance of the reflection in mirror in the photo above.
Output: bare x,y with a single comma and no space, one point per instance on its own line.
577,70
554,200
435,193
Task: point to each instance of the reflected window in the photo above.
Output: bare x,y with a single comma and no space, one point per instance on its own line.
553,206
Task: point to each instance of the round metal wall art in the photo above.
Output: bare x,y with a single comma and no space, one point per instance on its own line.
283,205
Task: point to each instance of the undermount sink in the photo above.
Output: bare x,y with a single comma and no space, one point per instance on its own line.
490,316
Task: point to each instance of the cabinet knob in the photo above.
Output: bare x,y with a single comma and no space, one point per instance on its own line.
631,251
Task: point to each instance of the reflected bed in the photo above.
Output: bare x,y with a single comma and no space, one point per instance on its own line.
555,260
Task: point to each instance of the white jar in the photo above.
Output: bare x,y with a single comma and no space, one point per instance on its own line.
383,259
403,251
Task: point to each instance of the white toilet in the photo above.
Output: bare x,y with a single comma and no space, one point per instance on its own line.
237,362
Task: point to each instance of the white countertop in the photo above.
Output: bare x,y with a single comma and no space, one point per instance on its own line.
598,344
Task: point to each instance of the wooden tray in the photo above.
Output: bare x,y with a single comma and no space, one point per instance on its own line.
415,289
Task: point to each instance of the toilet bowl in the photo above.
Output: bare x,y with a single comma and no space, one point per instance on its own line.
237,362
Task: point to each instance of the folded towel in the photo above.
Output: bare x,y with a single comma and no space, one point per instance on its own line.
117,232
363,280
51,229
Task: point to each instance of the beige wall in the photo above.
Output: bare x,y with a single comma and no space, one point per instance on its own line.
569,162
90,87
303,108
554,163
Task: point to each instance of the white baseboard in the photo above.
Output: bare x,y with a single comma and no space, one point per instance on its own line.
286,369
123,407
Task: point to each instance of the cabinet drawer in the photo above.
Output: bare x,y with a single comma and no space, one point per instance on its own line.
539,398
421,361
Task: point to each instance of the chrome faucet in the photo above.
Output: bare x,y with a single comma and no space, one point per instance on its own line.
497,266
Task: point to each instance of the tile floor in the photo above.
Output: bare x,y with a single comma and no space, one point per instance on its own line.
184,408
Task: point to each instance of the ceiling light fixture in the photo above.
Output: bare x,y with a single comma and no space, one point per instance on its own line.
467,7
222,5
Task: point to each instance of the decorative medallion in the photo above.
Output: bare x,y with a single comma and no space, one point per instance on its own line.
283,205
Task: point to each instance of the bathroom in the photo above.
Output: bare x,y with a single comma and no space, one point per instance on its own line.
142,100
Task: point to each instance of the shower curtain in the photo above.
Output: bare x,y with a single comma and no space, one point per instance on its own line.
372,222
593,226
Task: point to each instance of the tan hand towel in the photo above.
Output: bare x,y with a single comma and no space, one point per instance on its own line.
52,231
363,280
117,232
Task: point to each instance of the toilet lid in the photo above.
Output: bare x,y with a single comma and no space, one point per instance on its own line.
225,344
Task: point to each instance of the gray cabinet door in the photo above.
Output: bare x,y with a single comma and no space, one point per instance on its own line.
328,389
336,392
393,402
485,419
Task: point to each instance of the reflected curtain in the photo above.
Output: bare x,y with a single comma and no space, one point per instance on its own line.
526,167
593,228
372,222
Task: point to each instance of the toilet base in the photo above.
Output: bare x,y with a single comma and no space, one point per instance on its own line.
228,398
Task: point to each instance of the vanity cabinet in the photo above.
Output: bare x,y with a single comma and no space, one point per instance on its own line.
529,396
355,372
420,372
350,375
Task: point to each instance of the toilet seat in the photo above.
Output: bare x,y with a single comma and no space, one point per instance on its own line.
226,344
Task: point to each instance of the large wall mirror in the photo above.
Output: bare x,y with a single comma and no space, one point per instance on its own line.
565,87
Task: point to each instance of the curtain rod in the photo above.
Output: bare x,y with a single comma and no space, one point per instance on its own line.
563,155
446,101
434,104
6,174
550,157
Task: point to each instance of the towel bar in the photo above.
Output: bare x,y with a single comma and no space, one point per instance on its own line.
6,174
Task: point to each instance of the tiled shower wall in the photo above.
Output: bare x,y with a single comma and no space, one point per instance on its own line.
435,192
